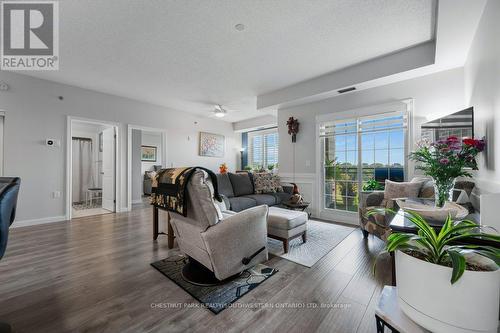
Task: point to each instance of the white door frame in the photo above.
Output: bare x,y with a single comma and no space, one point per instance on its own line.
69,159
164,158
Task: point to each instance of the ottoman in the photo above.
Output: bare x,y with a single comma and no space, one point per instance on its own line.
285,224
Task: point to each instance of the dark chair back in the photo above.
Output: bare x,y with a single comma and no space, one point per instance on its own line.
9,187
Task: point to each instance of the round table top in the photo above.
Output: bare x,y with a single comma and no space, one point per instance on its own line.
303,204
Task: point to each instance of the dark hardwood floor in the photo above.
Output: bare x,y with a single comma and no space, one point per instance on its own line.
93,274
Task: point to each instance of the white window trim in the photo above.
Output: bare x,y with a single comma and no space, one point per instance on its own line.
346,216
253,134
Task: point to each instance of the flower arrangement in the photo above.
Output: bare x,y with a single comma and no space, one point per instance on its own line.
223,168
445,160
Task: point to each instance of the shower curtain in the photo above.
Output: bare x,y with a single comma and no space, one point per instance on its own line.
83,168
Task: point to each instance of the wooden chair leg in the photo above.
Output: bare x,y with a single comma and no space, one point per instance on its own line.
285,245
304,237
365,233
155,223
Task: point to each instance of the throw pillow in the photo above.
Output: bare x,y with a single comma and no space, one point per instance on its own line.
242,183
277,184
263,182
394,190
427,189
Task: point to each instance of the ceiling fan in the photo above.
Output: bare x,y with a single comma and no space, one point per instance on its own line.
219,111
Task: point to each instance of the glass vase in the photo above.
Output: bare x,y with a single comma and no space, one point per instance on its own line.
443,190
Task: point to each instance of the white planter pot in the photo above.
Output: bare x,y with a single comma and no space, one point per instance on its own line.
427,296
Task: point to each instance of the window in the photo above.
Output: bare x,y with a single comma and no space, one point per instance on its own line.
263,148
360,149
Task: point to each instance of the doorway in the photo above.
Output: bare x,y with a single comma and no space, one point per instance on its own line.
92,168
147,153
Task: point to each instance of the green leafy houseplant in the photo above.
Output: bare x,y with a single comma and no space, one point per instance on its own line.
442,248
372,185
270,167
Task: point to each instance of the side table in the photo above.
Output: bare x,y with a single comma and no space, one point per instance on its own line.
297,206
91,194
389,314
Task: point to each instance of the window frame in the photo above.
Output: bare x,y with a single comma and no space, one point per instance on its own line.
402,106
263,133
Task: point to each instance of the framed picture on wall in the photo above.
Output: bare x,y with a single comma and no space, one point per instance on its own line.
211,145
148,153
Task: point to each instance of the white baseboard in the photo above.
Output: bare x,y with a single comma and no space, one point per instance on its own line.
340,216
44,220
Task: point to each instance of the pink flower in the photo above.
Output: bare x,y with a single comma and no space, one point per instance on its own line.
452,139
444,161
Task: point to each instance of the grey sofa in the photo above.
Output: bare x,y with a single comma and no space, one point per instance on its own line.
147,183
238,192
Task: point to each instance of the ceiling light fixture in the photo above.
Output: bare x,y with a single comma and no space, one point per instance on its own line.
239,27
219,111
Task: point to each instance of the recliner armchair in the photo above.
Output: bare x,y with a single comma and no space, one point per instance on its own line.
9,189
218,242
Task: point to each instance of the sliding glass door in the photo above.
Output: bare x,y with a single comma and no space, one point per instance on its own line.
355,151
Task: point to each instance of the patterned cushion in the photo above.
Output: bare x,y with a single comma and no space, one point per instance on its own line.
277,183
263,182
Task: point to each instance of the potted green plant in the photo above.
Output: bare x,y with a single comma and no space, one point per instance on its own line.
270,168
448,281
372,185
445,160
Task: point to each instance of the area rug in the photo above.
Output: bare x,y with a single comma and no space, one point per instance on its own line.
83,205
216,298
322,237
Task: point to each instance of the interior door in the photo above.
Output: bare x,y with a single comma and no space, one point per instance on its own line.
108,169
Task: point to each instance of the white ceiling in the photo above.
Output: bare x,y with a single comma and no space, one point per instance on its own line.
187,55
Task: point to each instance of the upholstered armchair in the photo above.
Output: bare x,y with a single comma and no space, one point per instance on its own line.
376,224
218,243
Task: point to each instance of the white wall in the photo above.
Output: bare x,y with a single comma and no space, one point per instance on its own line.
33,113
434,95
136,166
255,123
482,90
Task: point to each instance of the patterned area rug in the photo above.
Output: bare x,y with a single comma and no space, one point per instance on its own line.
322,237
216,298
82,205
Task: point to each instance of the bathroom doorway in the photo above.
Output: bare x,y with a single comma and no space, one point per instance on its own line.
93,168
